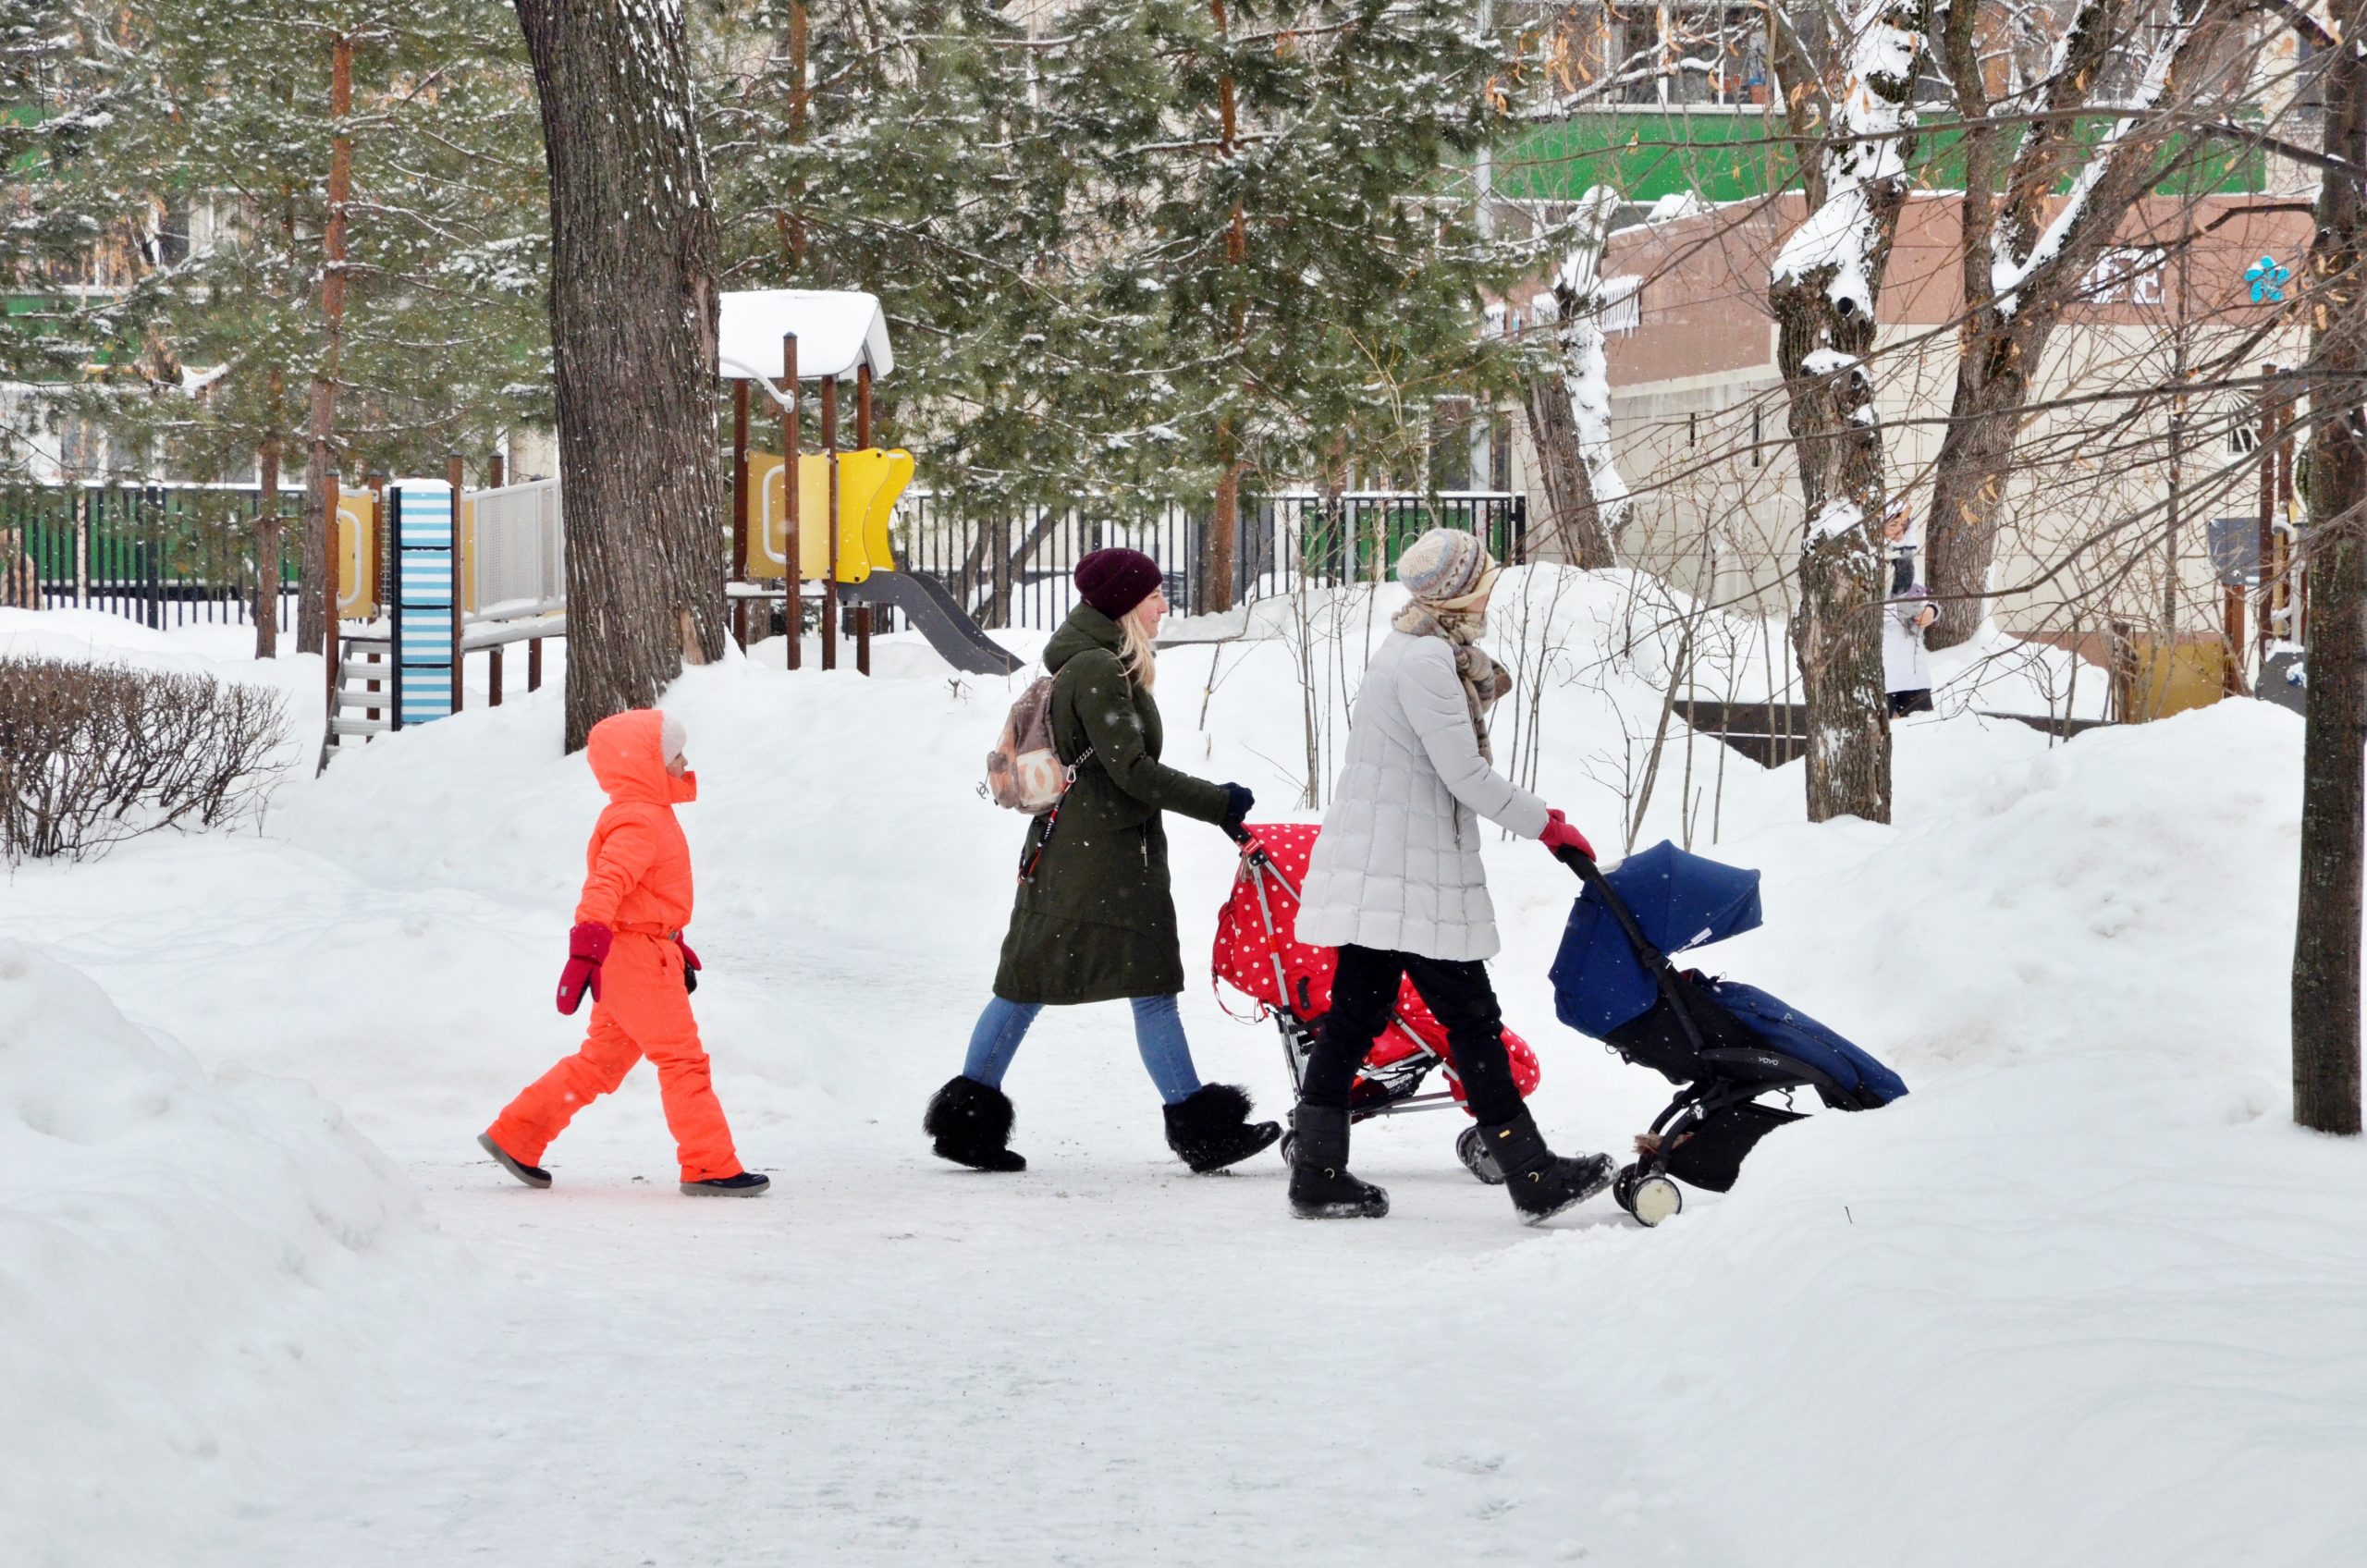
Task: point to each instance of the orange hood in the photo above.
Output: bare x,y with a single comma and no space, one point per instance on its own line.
628,756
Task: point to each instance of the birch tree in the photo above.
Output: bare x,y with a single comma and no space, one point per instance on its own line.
1569,405
1824,289
2024,263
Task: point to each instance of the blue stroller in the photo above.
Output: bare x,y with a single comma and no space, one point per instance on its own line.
1723,1044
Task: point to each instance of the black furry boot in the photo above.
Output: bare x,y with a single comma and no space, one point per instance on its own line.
1542,1183
1211,1128
1320,1185
970,1122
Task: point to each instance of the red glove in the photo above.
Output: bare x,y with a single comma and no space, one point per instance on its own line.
1560,835
587,948
690,965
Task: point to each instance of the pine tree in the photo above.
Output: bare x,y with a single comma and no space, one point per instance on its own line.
227,348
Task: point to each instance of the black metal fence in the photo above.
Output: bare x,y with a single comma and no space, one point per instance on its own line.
164,557
1014,572
167,557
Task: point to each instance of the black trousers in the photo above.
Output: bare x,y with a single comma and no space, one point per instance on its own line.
1362,998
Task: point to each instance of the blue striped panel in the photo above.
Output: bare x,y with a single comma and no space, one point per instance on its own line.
427,520
425,562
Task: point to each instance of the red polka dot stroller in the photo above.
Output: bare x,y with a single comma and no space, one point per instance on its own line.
1258,954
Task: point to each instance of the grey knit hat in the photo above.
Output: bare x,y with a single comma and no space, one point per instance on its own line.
1443,565
670,735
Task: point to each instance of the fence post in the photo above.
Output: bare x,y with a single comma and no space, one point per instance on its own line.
81,546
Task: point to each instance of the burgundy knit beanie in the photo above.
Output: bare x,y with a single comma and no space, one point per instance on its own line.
1114,582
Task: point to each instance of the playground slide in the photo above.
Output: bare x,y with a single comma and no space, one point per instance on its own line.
938,617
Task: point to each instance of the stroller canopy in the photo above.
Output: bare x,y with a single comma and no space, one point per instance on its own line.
1679,901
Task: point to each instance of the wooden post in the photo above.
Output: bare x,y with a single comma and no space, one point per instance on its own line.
384,538
332,642
862,405
792,545
371,687
830,561
497,472
863,639
452,476
493,684
534,664
739,505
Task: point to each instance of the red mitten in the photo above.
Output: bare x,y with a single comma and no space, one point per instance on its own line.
587,948
691,965
1559,835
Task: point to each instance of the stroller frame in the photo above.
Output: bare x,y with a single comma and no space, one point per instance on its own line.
1644,1187
1399,1081
1398,1084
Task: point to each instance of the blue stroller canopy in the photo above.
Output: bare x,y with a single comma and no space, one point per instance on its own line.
1679,901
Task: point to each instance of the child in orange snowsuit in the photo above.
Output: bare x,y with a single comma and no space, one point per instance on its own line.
627,949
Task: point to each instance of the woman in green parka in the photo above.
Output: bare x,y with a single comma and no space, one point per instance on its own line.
1094,921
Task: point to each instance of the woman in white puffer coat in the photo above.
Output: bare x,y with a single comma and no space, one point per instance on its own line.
1397,885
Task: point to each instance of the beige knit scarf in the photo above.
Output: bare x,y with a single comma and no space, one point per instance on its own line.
1484,680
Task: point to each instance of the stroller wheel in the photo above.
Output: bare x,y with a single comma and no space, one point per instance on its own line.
1475,1158
1649,1198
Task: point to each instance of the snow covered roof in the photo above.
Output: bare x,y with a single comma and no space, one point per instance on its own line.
837,330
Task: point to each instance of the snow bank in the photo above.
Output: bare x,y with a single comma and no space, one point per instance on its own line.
187,1265
2087,1295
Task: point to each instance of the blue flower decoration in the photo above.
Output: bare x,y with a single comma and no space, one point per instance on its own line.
2268,281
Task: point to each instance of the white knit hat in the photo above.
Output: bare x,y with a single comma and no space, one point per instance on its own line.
1444,565
670,735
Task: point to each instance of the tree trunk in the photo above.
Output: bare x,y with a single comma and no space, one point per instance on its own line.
1569,414
2327,932
2040,252
313,592
1570,517
1216,551
632,339
1825,289
267,540
1836,631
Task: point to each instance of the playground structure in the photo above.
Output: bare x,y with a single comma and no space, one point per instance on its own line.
431,573
780,339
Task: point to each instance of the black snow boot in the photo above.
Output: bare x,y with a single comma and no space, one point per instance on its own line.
532,1175
1542,1183
970,1122
747,1185
1210,1129
1320,1185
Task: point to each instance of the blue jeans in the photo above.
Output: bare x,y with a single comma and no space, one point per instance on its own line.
1159,1034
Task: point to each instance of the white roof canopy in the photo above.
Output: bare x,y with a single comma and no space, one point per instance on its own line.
837,330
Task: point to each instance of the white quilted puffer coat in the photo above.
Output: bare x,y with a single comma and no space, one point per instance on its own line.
1397,866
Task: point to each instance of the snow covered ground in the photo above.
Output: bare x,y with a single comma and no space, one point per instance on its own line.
2086,1296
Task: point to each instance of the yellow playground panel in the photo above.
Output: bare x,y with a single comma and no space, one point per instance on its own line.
2173,679
357,555
870,481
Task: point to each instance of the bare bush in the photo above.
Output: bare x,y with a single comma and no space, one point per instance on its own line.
93,754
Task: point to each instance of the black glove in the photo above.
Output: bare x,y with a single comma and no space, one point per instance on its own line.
690,965
1237,803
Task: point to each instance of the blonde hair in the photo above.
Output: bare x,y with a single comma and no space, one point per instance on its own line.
1141,657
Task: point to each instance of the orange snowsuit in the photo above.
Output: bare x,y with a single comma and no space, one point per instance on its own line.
637,883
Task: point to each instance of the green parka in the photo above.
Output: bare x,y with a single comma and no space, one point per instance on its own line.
1096,922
